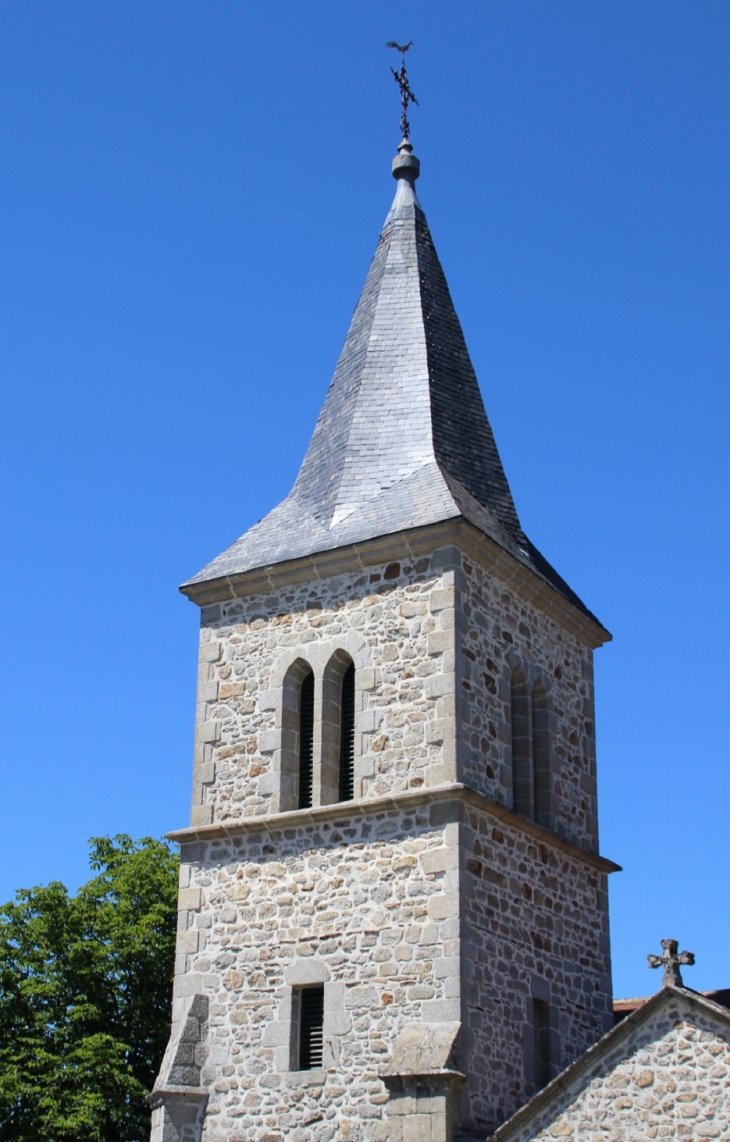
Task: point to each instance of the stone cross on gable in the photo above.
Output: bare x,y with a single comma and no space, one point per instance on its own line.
670,961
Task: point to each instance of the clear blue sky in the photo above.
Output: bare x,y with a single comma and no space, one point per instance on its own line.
190,195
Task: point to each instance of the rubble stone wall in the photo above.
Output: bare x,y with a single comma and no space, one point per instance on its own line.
498,630
369,907
433,640
534,927
395,622
368,904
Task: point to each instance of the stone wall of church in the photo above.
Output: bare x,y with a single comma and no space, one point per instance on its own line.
369,908
534,927
397,623
670,1079
373,900
497,631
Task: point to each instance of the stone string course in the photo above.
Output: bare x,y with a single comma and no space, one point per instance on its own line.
670,1080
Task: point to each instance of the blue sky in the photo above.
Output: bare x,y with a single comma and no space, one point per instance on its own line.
190,195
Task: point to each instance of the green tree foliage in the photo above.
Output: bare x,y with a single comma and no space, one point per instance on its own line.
85,992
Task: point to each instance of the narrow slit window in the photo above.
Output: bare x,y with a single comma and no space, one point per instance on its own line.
543,1044
311,1028
522,780
347,735
306,741
541,757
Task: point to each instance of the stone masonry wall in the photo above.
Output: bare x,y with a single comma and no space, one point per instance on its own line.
670,1080
368,908
395,622
499,630
399,624
534,926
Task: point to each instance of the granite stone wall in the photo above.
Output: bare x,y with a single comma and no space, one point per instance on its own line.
368,908
433,913
423,915
433,640
534,927
499,631
395,622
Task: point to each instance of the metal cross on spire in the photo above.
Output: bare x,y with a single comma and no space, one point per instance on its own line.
401,78
670,961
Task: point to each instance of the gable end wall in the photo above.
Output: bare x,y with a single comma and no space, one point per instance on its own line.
670,1078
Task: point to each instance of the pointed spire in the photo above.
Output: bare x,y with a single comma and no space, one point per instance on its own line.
402,440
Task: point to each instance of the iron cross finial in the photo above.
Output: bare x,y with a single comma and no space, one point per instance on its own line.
401,78
670,961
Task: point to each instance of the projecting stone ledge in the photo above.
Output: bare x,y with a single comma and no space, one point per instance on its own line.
447,801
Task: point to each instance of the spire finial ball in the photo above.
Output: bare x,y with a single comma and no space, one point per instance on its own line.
405,164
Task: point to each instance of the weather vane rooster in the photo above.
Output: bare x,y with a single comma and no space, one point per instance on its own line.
401,78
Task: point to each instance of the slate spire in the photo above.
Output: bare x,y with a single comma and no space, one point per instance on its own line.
403,439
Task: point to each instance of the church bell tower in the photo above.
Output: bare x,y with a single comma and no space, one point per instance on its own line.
393,911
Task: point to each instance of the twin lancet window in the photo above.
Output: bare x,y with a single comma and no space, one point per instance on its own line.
318,740
531,784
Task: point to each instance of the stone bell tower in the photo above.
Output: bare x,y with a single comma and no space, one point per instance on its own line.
393,912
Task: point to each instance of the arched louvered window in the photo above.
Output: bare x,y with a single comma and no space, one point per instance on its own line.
297,738
347,735
306,741
338,730
521,726
541,757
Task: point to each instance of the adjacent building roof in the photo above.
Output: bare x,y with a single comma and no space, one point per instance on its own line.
403,439
624,1007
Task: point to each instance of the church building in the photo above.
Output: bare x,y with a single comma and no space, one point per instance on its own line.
393,908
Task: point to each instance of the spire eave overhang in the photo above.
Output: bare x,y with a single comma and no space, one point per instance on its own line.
408,543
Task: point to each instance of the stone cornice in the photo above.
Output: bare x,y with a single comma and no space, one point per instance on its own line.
438,794
417,543
423,1080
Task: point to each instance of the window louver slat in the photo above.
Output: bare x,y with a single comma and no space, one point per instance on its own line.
306,742
347,736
